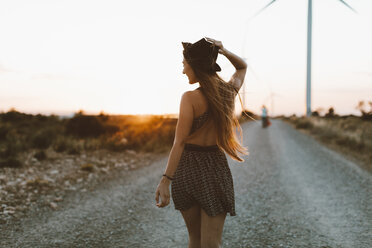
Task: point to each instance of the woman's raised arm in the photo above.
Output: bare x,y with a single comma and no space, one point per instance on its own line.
240,65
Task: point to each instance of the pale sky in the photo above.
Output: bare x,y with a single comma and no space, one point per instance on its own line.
125,57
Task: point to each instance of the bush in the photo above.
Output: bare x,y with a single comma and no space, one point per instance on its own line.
61,144
43,138
73,151
3,131
116,142
84,126
351,143
40,117
110,129
92,144
40,155
315,113
75,146
327,134
69,145
15,116
11,162
303,124
13,145
331,113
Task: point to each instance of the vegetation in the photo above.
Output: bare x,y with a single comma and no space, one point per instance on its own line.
20,132
366,115
352,135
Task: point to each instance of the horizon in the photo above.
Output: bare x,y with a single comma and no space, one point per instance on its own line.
68,114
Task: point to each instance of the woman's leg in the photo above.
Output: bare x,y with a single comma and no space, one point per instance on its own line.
211,229
192,220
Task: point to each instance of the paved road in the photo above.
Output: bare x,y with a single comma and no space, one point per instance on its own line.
290,192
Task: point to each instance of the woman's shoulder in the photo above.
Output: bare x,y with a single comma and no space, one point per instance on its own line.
188,97
193,94
196,99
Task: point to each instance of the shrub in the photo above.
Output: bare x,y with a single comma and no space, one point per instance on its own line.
351,143
15,116
43,138
40,155
40,117
327,134
303,124
116,142
3,131
315,113
110,129
92,144
73,151
75,146
60,144
331,113
13,145
12,162
84,126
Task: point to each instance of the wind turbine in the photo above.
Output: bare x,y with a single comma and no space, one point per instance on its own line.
309,31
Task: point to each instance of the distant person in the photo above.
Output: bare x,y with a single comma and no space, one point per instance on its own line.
202,184
264,117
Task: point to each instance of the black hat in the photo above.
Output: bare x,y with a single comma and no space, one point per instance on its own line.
201,54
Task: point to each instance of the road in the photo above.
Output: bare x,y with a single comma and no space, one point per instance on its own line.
290,192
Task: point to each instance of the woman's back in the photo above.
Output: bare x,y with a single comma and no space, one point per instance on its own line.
207,136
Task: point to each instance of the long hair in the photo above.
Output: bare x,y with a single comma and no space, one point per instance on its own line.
220,96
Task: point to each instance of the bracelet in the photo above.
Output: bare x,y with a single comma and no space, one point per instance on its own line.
170,178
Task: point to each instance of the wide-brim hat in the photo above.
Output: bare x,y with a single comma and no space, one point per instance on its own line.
202,55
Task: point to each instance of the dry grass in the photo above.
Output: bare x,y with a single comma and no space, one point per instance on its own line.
21,132
350,135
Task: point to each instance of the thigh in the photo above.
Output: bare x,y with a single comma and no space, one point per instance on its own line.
192,219
212,227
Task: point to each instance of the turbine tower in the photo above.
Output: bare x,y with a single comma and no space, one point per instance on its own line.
309,31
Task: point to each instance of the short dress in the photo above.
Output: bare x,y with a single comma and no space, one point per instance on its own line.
203,177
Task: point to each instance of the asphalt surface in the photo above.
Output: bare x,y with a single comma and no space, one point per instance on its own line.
290,192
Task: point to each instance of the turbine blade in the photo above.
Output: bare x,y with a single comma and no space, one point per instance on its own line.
347,5
267,5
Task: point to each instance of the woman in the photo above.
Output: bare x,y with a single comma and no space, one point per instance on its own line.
264,116
202,185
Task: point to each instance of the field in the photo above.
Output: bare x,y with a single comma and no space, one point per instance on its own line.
21,132
350,135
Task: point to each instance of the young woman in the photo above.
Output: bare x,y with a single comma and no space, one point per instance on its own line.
202,184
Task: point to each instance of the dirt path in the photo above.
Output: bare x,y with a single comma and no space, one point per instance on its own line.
290,192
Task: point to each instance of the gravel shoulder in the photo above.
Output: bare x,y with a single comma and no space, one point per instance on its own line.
290,192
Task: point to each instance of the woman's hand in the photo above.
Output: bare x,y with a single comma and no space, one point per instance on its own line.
217,43
163,191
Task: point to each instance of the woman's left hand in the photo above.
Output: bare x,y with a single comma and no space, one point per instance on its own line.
216,43
163,191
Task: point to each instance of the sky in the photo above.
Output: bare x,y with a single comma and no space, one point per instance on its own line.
125,57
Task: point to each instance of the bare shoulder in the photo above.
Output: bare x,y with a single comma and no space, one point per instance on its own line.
187,98
192,95
187,95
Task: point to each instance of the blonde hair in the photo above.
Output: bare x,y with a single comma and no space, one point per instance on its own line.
220,96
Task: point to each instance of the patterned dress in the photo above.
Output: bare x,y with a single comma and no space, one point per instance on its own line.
203,177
